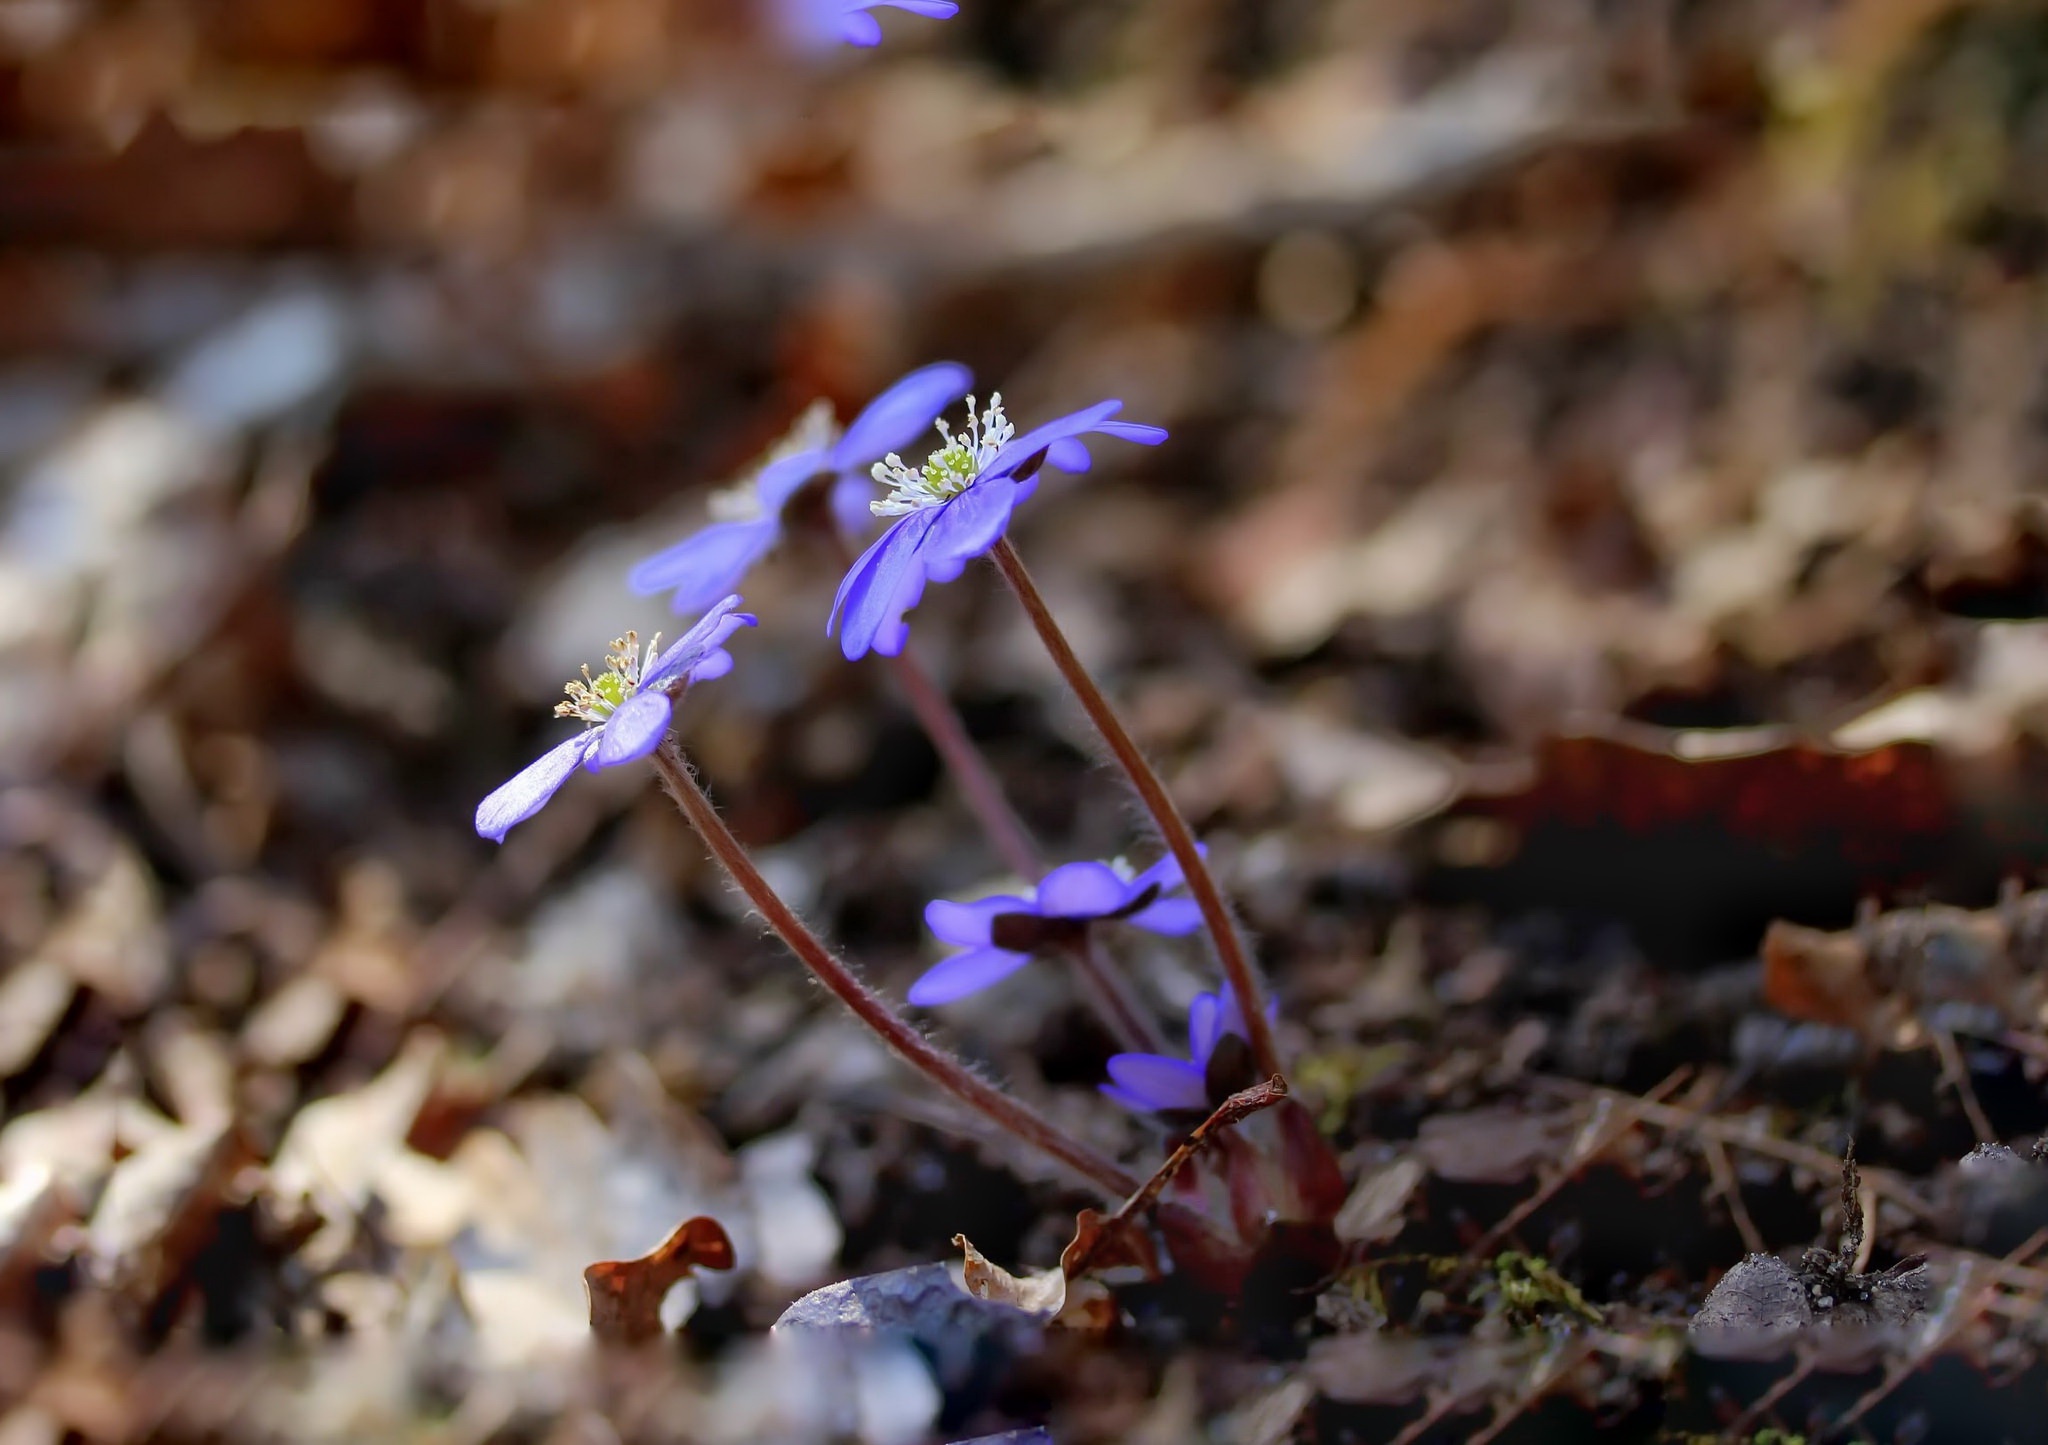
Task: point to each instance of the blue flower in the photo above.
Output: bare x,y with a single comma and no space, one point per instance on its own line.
627,709
955,508
703,568
820,24
1159,1084
1000,934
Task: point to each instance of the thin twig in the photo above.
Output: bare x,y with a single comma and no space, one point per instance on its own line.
1722,1170
1934,1342
1173,828
1805,1362
1956,1074
868,1006
1624,1118
1707,1126
1239,1106
1570,1356
1436,1406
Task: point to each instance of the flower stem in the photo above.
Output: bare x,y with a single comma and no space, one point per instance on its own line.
948,733
1173,828
1106,991
977,781
1132,1025
868,1006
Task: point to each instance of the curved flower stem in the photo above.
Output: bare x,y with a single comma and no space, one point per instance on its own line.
1133,1026
977,781
948,733
941,721
1006,834
1179,838
868,1006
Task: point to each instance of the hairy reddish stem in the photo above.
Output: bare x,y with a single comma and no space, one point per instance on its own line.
1006,833
1173,828
868,1006
970,770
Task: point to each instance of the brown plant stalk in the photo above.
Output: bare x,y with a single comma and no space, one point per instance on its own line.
1173,828
868,1006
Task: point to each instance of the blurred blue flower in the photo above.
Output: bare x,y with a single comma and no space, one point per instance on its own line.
1000,934
815,25
748,518
626,708
955,508
1159,1084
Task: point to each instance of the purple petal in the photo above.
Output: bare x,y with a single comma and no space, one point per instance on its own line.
851,493
716,664
779,481
1165,875
936,9
1129,1101
967,924
1134,431
894,633
530,788
1069,454
706,635
1205,1027
1173,917
963,974
867,605
1159,1082
860,28
906,410
632,732
969,525
709,565
1081,890
1040,437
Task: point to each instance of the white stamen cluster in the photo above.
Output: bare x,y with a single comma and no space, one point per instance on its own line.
951,469
814,430
594,699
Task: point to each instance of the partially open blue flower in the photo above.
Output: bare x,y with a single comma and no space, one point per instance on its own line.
1160,1084
748,518
626,708
955,508
999,935
819,24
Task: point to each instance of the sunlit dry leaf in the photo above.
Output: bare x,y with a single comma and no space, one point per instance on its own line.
1040,1294
111,939
337,1148
1373,1213
295,1023
159,1210
626,1295
33,999
33,1206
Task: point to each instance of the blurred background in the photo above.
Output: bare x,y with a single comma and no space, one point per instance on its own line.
1602,516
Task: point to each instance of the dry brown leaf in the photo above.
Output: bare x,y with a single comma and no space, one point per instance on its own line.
626,1294
1373,1213
1042,1294
1103,1241
159,1210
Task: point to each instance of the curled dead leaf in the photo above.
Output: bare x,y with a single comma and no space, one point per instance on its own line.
1041,1294
626,1294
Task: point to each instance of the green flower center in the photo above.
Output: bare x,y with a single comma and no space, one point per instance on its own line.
595,699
